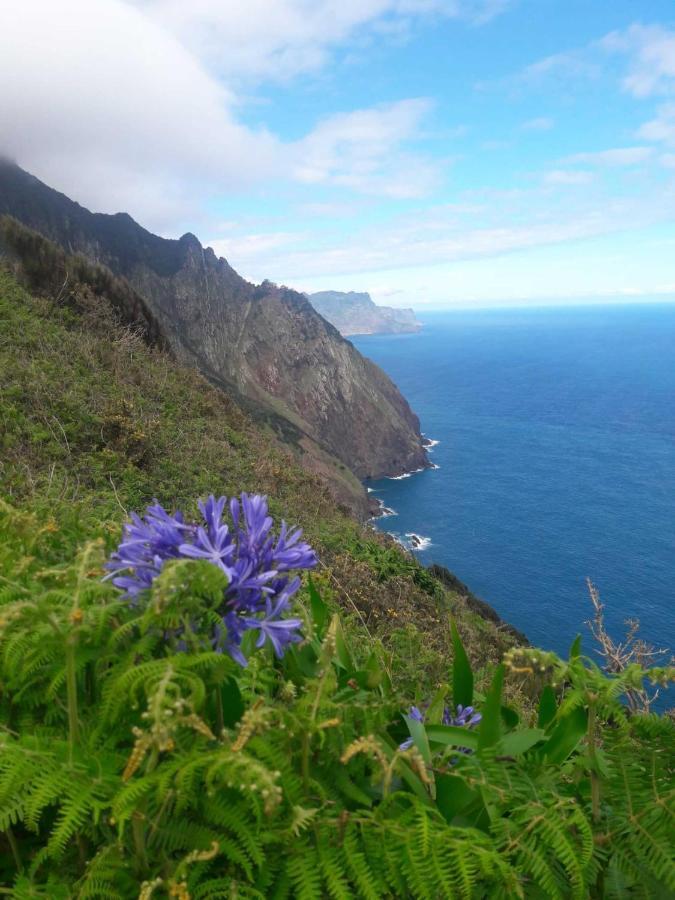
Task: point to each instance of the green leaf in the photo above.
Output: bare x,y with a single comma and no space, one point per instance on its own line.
521,741
434,713
602,763
566,735
304,660
233,705
374,672
510,717
363,678
320,612
342,653
453,735
419,736
547,706
453,795
490,728
462,674
575,649
410,777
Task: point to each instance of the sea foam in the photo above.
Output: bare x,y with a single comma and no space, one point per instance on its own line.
411,541
405,474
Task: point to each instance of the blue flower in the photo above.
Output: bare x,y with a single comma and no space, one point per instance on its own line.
146,545
465,717
215,546
279,632
257,564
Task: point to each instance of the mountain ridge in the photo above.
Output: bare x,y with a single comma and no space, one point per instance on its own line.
267,343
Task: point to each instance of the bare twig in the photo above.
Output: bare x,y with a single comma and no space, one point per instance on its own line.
60,293
618,656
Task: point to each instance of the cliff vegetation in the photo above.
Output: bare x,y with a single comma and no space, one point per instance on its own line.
397,744
264,345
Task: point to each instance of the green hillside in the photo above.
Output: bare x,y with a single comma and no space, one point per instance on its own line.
96,424
137,762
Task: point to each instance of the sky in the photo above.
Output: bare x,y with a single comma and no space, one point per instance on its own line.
436,153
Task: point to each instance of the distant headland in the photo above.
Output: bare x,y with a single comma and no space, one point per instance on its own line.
356,313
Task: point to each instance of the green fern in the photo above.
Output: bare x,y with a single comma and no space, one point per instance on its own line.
124,763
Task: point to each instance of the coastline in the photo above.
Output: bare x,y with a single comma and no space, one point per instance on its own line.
410,541
414,543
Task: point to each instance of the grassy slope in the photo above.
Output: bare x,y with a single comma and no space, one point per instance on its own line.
93,423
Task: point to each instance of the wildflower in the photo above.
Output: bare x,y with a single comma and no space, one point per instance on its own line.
257,565
215,549
465,717
279,632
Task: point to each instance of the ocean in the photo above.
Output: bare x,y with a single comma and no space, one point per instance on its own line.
555,461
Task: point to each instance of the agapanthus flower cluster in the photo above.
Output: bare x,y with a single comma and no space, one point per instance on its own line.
465,717
256,561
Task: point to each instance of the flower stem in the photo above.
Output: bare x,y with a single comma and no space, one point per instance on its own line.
14,847
71,690
138,832
220,719
305,760
595,778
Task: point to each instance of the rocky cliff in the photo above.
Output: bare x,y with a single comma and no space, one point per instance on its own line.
356,313
265,344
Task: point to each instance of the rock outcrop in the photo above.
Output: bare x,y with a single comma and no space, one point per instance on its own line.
266,344
356,313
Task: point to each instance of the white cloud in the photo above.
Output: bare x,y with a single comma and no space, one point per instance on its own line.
662,127
330,209
648,49
282,38
651,49
508,222
558,69
247,248
563,176
617,156
667,160
104,104
543,123
362,150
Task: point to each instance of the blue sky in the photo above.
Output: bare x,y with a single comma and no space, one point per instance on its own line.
433,152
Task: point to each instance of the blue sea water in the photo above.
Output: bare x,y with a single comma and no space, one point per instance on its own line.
556,461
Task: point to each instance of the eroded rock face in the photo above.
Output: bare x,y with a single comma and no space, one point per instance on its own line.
266,343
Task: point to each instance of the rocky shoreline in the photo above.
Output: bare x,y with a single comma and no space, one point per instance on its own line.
415,543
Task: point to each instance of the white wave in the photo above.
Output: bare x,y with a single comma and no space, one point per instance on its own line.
417,542
430,443
434,466
406,474
412,542
383,512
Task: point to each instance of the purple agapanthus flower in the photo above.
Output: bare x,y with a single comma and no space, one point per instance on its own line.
464,717
256,562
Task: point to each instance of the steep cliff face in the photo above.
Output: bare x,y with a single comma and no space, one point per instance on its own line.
267,344
356,313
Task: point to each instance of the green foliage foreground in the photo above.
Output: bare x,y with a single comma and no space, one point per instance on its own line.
128,770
